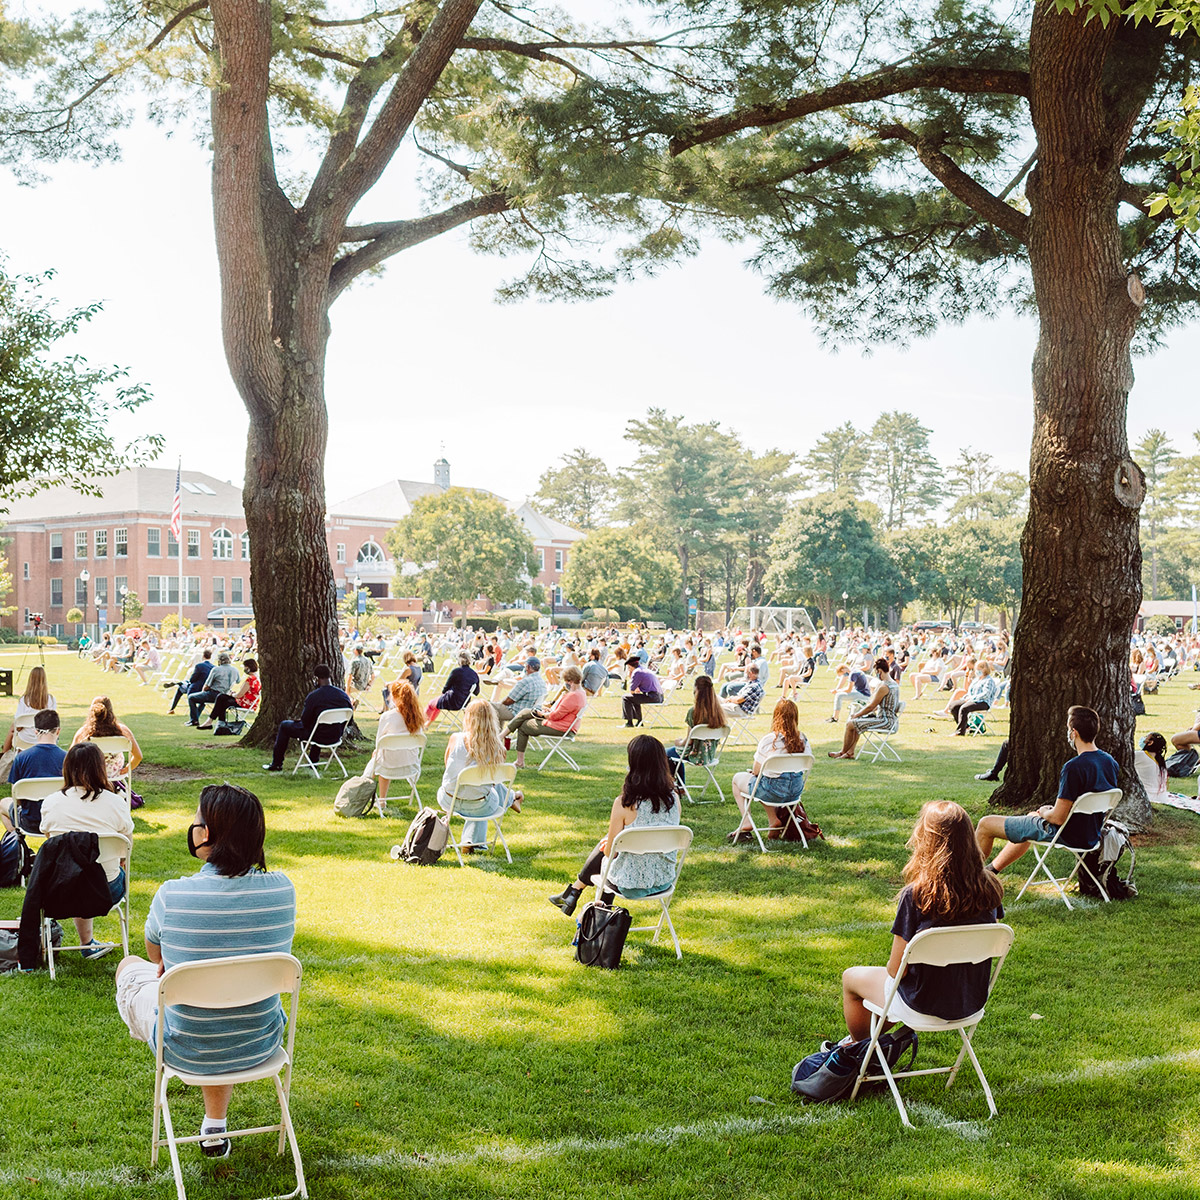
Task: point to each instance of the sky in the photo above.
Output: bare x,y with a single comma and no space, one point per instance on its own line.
422,361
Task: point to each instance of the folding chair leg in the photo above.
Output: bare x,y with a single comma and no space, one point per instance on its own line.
172,1149
157,1115
285,1116
987,1091
48,944
666,916
500,835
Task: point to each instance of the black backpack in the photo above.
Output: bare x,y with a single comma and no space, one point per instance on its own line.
1183,764
425,840
11,859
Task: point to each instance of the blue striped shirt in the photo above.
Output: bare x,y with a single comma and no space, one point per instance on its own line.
209,915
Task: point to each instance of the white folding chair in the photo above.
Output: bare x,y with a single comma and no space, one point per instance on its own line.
120,844
1088,804
780,764
702,733
37,788
219,983
943,946
558,745
118,745
739,727
653,839
314,741
24,733
408,775
654,715
878,742
503,773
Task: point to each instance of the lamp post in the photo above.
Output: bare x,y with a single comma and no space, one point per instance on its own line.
688,619
357,602
124,591
84,576
845,597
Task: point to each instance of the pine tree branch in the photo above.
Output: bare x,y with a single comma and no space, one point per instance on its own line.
386,238
877,86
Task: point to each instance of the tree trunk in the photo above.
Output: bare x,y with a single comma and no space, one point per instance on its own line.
1080,549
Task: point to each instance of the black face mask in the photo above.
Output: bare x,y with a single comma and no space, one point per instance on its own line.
193,845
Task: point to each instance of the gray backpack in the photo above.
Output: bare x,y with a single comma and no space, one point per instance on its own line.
356,797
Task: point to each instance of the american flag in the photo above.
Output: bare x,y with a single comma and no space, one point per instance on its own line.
177,509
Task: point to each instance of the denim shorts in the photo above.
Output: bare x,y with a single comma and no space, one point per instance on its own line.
1028,829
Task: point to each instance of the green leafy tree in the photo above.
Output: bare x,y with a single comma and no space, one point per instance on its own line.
978,562
580,492
620,568
466,544
348,609
916,567
1155,454
825,547
131,606
906,473
968,481
838,459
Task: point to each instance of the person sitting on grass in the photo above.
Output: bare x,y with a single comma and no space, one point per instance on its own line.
461,684
87,804
403,716
1151,767
323,697
852,686
785,738
555,723
245,697
705,713
1091,770
648,797
881,713
478,744
945,884
232,906
1188,737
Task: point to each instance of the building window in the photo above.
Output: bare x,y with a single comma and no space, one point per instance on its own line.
56,547
172,545
370,554
56,593
193,543
121,538
153,594
558,560
246,546
101,583
341,552
222,542
541,560
218,585
101,543
193,589
558,595
81,541
163,589
235,591
26,570
80,594
121,581
154,543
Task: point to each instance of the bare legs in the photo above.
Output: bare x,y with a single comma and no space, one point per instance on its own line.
860,984
987,831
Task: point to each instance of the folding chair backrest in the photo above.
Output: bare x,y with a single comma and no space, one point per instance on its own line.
653,839
485,776
37,789
24,721
787,764
946,945
331,716
706,733
1096,802
229,982
401,741
113,745
118,844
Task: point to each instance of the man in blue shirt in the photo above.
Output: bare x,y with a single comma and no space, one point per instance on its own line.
323,696
42,760
196,682
1091,770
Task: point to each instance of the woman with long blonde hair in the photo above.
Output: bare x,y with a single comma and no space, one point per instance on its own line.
478,745
946,884
785,738
403,716
35,699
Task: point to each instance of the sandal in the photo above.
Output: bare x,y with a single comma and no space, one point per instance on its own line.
516,804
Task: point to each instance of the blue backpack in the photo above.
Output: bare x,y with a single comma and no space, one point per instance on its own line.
10,860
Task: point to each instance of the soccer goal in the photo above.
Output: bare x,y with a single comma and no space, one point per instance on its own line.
772,620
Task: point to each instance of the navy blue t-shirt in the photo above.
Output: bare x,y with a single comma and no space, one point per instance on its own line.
860,683
1093,771
947,992
43,760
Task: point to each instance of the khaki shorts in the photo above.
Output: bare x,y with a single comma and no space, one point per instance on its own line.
137,999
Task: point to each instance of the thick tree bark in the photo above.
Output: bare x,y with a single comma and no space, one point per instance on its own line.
1082,561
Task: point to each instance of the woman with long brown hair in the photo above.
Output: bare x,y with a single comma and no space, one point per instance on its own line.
785,738
705,713
946,884
403,716
35,699
102,722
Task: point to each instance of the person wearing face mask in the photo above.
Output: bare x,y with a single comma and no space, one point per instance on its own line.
232,905
1091,770
979,697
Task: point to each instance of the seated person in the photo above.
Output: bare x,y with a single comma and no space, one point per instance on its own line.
232,905
643,689
979,697
881,712
43,760
785,738
148,659
1189,737
946,884
850,686
36,698
753,659
220,682
1151,766
594,674
676,670
930,671
527,692
478,744
360,676
195,681
705,712
324,696
403,716
648,797
87,805
461,684
245,696
410,672
1091,770
557,722
102,722
749,696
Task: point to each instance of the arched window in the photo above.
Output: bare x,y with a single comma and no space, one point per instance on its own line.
246,546
222,543
370,554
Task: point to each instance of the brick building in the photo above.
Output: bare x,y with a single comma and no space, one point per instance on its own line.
122,539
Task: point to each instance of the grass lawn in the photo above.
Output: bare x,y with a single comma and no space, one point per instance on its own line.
450,1046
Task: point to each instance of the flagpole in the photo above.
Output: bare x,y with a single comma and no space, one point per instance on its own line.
179,543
